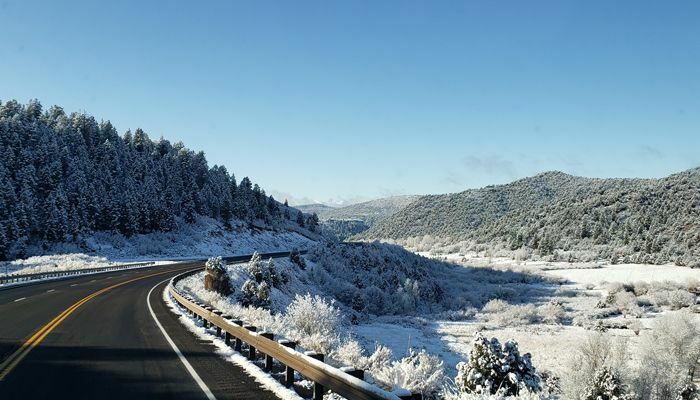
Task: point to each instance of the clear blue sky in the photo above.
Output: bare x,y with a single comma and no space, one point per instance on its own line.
348,100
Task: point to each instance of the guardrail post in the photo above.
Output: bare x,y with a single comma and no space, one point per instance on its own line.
251,348
288,371
357,373
218,328
318,388
227,336
238,342
268,358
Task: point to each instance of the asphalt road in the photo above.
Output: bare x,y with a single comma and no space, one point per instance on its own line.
109,347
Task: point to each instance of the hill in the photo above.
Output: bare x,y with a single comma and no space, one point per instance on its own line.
64,177
369,212
558,215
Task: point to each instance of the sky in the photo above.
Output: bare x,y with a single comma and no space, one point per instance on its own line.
343,101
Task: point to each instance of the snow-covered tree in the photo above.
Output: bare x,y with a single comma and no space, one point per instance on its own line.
606,385
496,369
273,278
255,270
297,259
262,298
249,293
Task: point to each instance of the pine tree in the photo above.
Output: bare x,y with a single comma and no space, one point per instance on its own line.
254,268
249,293
495,369
606,385
300,219
263,296
313,222
273,278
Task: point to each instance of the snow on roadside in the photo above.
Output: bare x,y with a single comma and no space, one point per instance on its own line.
59,263
203,239
228,354
53,263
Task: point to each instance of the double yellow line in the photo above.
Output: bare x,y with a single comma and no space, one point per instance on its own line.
15,358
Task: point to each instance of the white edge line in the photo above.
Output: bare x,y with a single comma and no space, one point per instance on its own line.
182,358
20,299
227,353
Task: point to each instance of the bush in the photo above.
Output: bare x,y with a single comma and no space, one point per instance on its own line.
495,306
314,322
670,351
552,312
606,385
418,372
496,369
352,354
589,357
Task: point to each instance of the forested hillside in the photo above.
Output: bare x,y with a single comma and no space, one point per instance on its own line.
63,176
554,214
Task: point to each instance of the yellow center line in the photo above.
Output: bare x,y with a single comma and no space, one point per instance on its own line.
15,358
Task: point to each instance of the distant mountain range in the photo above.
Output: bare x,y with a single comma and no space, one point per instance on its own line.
369,212
350,220
554,214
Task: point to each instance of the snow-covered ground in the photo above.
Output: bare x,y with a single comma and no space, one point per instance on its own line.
59,263
550,344
205,238
548,308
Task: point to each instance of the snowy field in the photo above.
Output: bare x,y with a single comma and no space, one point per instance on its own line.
585,285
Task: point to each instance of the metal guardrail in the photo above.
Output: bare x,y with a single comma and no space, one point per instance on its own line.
346,382
17,278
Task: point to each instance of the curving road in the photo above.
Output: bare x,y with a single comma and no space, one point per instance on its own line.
95,337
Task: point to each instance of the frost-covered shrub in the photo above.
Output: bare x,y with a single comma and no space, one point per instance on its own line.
504,314
589,356
351,353
670,351
314,322
495,306
216,279
496,369
675,299
512,315
553,312
459,315
627,303
418,372
380,358
606,385
680,299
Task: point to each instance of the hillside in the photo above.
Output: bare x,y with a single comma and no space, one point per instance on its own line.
369,212
554,214
64,177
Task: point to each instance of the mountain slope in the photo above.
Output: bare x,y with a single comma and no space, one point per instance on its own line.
644,220
64,177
